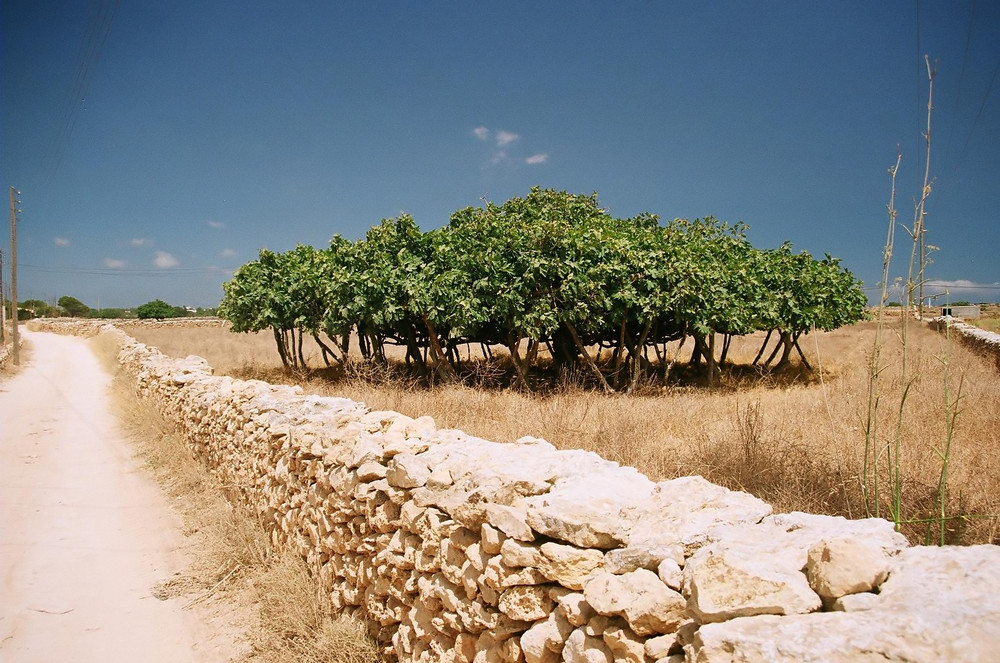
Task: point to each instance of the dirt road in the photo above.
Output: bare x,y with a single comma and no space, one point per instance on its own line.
84,533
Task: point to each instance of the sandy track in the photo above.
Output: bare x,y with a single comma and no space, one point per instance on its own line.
84,535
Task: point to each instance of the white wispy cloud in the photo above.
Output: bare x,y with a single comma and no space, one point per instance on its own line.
945,291
500,156
506,138
140,241
114,263
541,157
482,133
227,253
216,224
164,259
60,241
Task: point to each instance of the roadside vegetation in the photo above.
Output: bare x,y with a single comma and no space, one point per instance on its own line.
234,566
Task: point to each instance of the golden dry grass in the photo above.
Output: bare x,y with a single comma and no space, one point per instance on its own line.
234,561
794,439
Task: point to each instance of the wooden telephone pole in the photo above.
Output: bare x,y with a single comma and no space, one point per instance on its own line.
3,307
14,202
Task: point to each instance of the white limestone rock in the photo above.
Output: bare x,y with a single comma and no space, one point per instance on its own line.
684,511
649,606
567,565
585,509
939,604
527,604
544,641
841,566
583,648
407,471
757,569
574,606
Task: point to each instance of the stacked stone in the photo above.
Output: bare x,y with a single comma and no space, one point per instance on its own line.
454,548
979,340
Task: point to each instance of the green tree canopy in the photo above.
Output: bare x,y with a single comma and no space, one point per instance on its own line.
156,309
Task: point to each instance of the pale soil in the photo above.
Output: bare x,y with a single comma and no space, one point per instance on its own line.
85,535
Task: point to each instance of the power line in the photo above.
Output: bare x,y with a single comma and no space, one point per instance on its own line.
91,45
961,82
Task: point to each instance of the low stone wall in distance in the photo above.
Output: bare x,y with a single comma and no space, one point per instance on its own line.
454,548
984,342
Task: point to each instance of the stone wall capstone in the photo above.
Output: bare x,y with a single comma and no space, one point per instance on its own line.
454,548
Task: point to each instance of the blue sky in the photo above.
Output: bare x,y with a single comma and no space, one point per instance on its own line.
159,145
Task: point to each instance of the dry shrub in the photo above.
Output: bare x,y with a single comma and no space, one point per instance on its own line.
794,438
301,626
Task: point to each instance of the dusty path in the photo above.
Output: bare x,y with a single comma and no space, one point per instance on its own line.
84,534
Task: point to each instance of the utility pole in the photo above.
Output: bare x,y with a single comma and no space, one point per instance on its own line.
3,307
14,202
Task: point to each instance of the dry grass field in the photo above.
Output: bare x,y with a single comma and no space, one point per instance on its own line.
795,439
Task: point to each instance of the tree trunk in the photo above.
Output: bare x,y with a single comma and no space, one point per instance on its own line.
586,356
786,350
802,355
637,359
515,356
326,350
441,365
762,347
279,341
302,359
697,352
673,360
713,367
619,356
727,339
565,347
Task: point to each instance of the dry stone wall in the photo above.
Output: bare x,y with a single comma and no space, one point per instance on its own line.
984,342
455,548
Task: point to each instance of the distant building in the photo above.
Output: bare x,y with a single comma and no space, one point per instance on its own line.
972,311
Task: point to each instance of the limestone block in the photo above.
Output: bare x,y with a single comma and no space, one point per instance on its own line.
406,470
671,574
625,646
685,511
855,602
440,477
492,539
659,647
582,648
510,651
462,538
939,604
527,604
595,625
512,521
517,553
477,557
567,565
837,567
499,576
624,560
649,606
574,606
545,639
365,449
585,510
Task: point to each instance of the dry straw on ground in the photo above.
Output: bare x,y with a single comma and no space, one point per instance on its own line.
793,439
233,563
